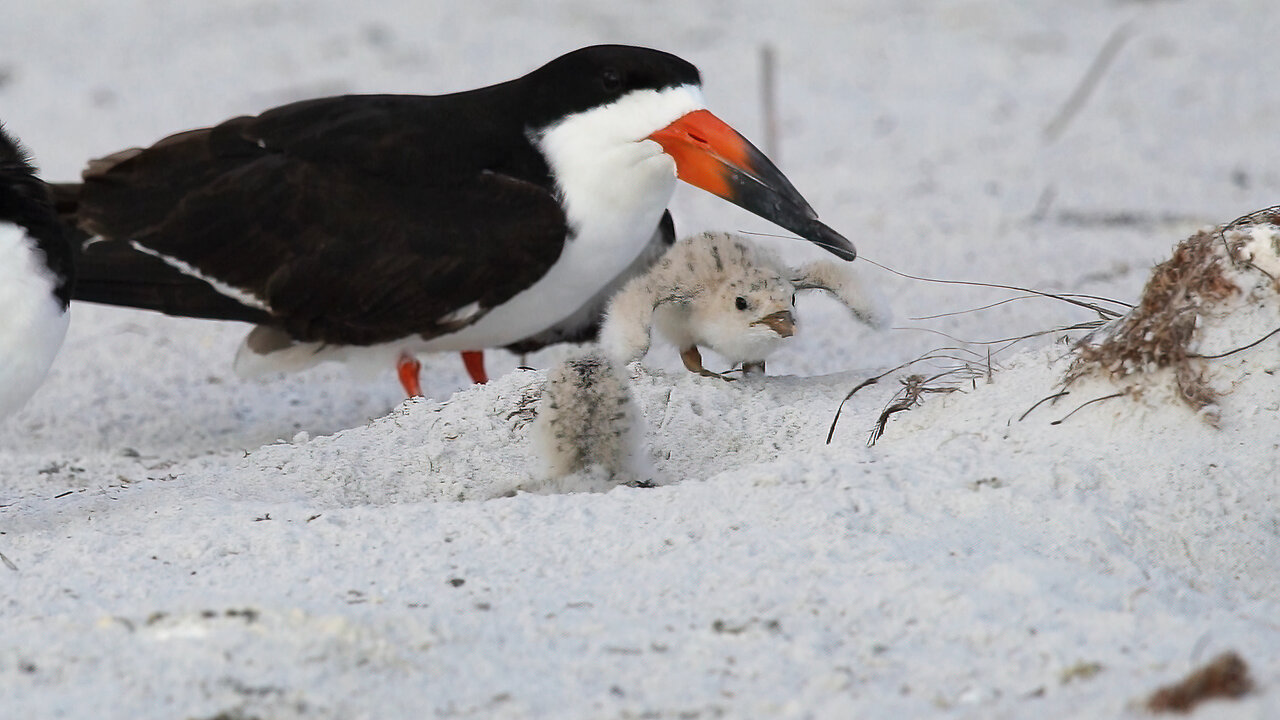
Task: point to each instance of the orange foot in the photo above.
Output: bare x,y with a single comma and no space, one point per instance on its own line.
408,367
474,362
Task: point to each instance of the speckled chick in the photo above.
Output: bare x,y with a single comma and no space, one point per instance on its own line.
587,419
721,291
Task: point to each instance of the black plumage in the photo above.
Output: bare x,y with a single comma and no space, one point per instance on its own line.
356,219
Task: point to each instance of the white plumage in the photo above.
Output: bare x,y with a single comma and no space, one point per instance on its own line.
721,291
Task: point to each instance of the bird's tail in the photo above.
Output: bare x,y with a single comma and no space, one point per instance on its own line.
119,272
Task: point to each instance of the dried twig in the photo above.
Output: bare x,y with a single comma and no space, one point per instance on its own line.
913,386
869,381
1011,341
931,355
1268,215
1064,297
1242,348
1112,396
1042,401
1077,299
1088,83
998,303
769,101
910,395
966,311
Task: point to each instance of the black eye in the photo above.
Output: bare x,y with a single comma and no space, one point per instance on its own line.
793,299
611,79
741,303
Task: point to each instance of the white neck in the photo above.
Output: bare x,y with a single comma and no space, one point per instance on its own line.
602,163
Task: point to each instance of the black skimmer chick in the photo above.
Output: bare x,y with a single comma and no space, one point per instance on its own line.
587,419
35,278
721,291
388,225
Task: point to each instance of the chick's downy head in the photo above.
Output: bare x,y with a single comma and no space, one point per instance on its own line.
747,315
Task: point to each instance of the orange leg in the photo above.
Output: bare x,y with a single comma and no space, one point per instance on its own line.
407,367
474,361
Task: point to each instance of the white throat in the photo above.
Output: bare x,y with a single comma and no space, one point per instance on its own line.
603,165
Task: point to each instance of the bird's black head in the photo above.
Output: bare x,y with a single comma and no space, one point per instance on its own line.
599,75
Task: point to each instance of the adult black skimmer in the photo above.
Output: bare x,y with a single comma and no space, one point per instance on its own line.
35,278
392,224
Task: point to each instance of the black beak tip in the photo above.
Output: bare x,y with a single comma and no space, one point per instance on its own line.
773,199
831,241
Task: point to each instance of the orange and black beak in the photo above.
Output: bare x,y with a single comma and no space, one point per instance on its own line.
714,157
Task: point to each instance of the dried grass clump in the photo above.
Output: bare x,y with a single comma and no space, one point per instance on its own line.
1160,331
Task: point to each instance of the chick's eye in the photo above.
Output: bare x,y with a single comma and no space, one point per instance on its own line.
611,79
741,303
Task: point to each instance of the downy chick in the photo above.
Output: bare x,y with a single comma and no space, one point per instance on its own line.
721,291
587,419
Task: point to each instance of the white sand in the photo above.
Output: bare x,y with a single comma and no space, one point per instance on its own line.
181,543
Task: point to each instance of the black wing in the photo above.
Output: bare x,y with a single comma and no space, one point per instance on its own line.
353,220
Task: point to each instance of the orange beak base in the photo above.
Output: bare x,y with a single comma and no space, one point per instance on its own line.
713,156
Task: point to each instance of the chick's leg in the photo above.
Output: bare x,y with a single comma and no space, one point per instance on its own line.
693,361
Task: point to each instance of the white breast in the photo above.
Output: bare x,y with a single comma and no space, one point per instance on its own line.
32,320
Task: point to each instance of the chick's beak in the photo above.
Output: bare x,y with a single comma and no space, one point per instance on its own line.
713,156
780,322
